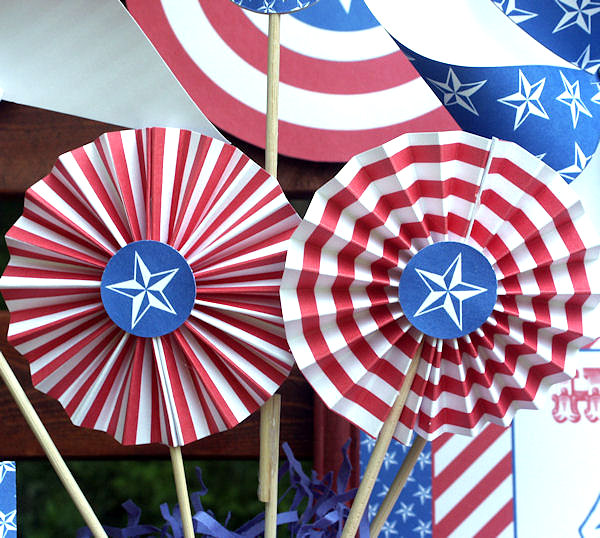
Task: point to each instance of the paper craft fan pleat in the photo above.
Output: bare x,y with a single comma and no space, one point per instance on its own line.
344,321
229,220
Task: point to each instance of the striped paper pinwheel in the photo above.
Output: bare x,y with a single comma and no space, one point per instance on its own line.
478,250
143,285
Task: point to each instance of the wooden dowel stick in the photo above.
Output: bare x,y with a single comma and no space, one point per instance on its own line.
182,491
397,485
56,460
379,451
271,142
271,410
271,467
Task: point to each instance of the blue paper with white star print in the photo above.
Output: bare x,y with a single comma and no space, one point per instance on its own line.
148,288
569,28
553,113
411,517
447,290
8,500
274,6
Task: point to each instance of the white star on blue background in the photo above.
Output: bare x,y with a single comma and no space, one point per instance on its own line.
146,290
511,10
458,93
526,100
572,98
577,13
447,291
579,163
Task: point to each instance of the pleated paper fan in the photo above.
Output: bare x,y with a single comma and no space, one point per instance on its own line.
478,210
143,285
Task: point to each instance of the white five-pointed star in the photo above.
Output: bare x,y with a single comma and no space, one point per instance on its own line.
586,62
526,100
572,98
405,511
423,493
6,467
456,92
577,13
596,97
346,4
447,291
8,522
513,12
389,529
579,163
423,528
146,290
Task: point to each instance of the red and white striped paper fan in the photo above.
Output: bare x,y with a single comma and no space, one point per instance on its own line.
344,321
222,213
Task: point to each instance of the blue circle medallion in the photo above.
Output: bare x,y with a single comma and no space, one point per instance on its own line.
274,6
448,289
148,288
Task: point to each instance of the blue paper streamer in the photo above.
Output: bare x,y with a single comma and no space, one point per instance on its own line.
324,514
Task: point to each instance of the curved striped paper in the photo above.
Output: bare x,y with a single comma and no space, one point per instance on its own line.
343,319
230,221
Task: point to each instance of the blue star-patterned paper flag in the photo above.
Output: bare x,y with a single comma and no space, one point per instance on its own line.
274,6
8,500
569,28
411,517
551,110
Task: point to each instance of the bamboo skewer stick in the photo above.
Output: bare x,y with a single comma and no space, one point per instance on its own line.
397,485
182,492
381,446
56,460
271,411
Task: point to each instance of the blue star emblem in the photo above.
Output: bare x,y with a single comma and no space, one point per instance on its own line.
447,291
148,288
451,302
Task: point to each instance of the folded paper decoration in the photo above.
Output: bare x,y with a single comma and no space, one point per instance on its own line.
569,28
496,80
345,87
503,278
143,285
102,67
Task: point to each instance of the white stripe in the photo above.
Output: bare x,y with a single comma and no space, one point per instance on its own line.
485,510
328,45
328,111
445,455
462,32
473,475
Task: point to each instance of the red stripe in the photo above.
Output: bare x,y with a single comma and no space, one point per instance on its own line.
298,70
236,118
471,500
499,522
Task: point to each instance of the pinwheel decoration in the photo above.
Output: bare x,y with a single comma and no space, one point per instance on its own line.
143,285
483,254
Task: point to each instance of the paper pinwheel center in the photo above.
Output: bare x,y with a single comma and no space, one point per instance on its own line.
274,6
448,289
148,288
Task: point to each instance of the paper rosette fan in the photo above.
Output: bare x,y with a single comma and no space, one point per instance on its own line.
475,248
143,285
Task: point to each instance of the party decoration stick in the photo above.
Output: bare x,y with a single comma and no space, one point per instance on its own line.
270,413
379,451
54,457
143,286
476,249
182,491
